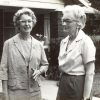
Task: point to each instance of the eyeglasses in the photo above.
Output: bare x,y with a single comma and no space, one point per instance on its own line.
68,21
26,21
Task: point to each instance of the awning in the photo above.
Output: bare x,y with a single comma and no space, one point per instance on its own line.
91,10
33,4
87,7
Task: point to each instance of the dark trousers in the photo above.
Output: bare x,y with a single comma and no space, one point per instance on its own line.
71,87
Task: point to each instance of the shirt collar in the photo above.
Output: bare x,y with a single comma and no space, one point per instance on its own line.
78,38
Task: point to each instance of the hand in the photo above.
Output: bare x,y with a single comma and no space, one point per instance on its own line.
36,74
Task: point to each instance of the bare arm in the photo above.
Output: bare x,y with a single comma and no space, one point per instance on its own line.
89,68
5,89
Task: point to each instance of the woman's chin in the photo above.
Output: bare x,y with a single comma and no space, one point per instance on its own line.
26,32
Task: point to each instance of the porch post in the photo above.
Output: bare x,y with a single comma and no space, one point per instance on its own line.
47,30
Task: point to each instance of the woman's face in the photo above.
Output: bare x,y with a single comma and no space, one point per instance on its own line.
25,24
69,24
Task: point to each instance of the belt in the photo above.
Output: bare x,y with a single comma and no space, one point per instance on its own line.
65,74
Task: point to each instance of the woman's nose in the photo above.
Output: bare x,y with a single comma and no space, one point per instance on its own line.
63,23
26,23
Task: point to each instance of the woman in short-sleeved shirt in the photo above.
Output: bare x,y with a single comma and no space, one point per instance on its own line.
76,57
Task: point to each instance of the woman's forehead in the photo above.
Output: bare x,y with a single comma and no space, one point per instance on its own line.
25,16
69,15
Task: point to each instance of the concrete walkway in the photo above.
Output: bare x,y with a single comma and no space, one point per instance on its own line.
49,90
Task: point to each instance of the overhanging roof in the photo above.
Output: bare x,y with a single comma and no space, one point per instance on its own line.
87,7
33,4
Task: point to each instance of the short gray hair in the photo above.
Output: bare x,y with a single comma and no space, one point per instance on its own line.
78,12
22,11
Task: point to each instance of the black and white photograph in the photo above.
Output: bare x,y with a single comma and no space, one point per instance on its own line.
49,50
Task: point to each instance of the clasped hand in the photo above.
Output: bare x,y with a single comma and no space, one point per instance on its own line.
36,74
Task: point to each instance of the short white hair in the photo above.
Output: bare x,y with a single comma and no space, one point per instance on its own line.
78,12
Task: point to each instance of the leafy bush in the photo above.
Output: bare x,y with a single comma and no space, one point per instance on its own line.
53,71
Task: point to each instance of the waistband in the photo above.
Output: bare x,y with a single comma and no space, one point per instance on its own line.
65,74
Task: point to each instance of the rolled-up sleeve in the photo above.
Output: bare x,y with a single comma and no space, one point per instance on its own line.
88,51
3,64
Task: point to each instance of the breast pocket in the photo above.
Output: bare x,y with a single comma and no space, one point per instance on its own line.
34,86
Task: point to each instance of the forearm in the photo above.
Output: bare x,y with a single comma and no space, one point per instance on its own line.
4,85
88,85
1,89
4,89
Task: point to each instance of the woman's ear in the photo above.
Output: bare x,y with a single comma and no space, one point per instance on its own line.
79,25
81,22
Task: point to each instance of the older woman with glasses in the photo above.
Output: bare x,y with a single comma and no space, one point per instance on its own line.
23,60
76,57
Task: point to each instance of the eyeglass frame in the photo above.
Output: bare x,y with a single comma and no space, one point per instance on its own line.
24,21
68,20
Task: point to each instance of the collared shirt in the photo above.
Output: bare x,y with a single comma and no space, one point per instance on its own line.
80,52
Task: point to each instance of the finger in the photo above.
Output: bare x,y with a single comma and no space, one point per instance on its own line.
36,75
35,72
